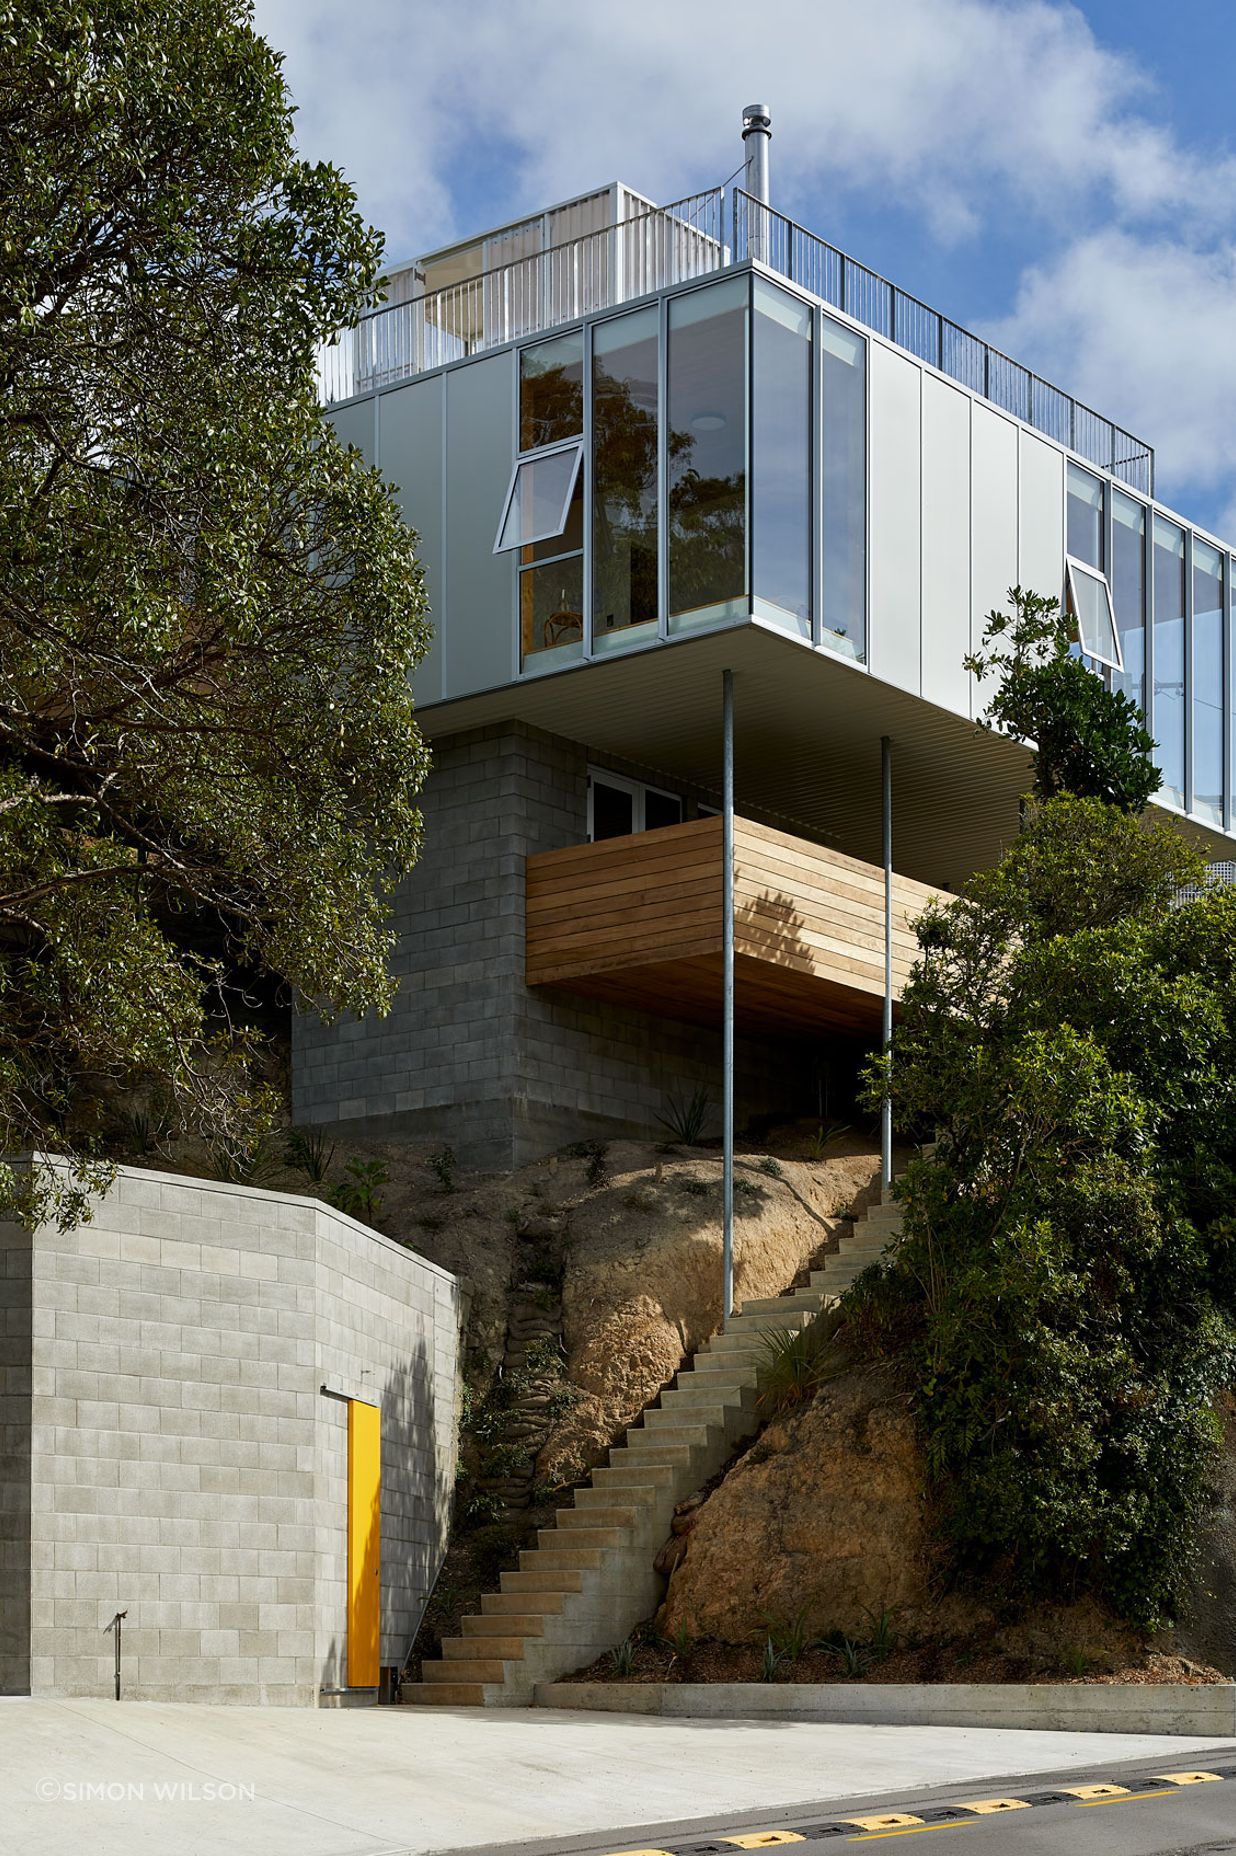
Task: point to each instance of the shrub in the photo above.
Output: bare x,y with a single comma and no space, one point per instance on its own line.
309,1152
685,1116
359,1194
795,1364
443,1164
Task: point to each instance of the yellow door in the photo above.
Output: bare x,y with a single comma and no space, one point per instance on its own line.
364,1542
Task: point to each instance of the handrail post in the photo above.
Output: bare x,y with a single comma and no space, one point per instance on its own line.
886,1105
727,998
114,1627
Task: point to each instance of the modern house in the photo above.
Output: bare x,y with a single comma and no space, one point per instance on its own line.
648,446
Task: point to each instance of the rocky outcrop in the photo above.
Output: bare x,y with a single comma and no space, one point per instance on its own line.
823,1518
642,1288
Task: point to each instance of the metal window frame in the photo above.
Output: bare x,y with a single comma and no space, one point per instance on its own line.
532,458
638,790
1073,567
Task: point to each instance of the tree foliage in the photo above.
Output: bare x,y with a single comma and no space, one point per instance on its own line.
1088,740
1066,1288
209,607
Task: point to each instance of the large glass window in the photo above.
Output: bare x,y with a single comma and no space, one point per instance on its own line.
1168,725
625,598
1129,594
781,455
551,391
1084,518
843,358
1207,682
706,439
617,806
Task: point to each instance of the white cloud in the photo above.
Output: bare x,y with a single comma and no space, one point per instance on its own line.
1142,330
970,114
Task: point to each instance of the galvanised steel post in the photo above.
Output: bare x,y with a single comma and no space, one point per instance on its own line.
727,996
886,1107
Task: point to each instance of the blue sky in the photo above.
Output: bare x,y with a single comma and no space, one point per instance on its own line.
1061,177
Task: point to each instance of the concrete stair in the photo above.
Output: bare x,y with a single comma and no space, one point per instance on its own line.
590,1579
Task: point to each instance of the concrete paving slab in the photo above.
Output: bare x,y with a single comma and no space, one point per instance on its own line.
140,1778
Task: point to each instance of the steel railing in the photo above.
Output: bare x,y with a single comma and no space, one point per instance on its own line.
613,265
804,258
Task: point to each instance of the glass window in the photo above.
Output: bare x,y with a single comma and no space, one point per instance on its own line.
660,809
551,391
706,442
1207,682
551,612
844,360
1167,724
625,596
1084,518
1090,602
781,455
1129,595
539,498
611,807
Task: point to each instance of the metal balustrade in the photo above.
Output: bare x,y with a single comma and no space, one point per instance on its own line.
670,245
761,233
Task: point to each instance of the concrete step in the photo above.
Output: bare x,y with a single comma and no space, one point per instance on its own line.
507,1605
512,1624
470,1669
674,1417
616,1477
442,1695
607,1507
563,1557
802,1299
468,1649
691,1392
697,1436
726,1365
550,1538
549,1581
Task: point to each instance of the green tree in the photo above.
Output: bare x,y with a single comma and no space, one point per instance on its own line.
1065,1294
209,607
1088,740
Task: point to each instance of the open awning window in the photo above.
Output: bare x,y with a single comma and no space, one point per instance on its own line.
1090,602
539,498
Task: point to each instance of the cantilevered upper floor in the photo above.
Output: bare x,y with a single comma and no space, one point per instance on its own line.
640,443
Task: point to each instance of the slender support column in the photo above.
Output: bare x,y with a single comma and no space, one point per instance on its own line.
727,995
886,1107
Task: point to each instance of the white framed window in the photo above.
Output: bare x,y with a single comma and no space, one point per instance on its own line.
618,806
1090,602
538,500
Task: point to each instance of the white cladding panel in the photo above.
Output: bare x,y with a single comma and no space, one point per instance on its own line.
480,443
993,528
1041,546
946,544
410,452
894,628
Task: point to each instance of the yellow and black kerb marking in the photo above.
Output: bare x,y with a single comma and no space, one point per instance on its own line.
875,1826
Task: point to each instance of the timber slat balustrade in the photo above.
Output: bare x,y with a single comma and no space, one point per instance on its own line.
638,920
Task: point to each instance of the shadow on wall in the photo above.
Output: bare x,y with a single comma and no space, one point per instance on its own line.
407,1529
16,1383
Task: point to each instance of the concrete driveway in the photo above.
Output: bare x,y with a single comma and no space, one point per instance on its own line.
141,1778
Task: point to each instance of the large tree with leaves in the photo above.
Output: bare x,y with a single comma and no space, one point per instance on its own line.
209,608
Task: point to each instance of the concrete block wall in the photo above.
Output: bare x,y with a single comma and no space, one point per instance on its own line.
15,1387
184,1461
472,1055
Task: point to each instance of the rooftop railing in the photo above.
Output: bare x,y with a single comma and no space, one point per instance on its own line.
666,245
670,245
806,259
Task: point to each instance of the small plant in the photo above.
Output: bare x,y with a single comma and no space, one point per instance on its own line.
430,1221
443,1164
773,1168
823,1137
678,1643
684,1117
696,1188
622,1659
514,1216
148,1128
243,1162
771,1663
881,1640
360,1193
1078,1662
795,1365
543,1269
791,1638
561,1401
745,1188
309,1152
855,1658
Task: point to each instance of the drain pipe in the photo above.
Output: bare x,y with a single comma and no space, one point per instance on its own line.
727,996
756,135
886,1106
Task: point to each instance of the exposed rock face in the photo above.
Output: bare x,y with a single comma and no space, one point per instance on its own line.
643,1274
824,1516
